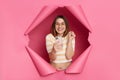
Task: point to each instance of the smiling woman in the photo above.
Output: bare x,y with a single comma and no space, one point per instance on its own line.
60,43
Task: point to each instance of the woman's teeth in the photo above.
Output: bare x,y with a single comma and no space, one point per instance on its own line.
60,29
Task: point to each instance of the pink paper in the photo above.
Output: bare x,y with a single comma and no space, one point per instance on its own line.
43,67
25,23
78,65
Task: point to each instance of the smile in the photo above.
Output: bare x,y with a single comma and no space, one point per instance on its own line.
60,29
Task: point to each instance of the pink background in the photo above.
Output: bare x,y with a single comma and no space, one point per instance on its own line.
103,62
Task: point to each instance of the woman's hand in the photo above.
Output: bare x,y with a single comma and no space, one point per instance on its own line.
58,46
71,36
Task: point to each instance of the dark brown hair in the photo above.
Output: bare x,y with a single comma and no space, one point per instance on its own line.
54,32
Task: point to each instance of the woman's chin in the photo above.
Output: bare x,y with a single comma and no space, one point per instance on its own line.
60,32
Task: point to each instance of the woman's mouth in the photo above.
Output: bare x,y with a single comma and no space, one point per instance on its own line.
60,29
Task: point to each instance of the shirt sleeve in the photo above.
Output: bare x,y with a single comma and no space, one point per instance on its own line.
49,43
73,44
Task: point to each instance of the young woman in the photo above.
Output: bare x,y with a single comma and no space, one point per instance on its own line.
60,43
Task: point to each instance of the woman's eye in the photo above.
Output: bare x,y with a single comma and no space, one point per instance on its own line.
57,24
60,24
63,23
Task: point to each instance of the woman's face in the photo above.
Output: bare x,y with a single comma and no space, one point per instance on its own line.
60,26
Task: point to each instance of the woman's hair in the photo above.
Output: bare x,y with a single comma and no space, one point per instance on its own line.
53,30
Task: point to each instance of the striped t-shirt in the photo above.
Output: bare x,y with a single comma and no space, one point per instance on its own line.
60,58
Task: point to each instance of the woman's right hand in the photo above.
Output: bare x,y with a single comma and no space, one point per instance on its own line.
58,46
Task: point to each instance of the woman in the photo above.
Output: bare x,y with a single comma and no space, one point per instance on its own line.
60,43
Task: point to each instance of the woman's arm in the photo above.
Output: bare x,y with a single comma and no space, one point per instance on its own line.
70,45
50,47
52,54
56,47
69,50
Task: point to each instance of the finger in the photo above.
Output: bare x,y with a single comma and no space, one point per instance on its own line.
70,32
73,34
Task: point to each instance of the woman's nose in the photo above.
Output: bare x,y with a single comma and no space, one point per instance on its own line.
60,25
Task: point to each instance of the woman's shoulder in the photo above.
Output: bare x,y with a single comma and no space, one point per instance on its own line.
50,35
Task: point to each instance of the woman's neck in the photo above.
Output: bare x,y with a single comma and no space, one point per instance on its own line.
60,35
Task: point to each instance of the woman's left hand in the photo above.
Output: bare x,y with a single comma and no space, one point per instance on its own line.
71,35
